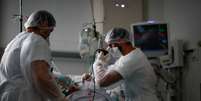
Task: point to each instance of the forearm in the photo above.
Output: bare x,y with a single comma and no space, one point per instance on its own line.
48,86
107,77
104,77
99,71
44,81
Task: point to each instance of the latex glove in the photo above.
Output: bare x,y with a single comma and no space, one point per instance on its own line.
100,65
99,72
73,88
102,57
86,77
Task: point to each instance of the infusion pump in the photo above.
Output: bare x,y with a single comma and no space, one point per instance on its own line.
175,55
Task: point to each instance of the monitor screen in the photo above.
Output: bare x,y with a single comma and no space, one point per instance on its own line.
151,38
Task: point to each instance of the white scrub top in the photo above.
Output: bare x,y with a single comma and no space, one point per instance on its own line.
16,82
138,76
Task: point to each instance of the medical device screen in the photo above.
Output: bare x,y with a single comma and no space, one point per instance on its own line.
152,38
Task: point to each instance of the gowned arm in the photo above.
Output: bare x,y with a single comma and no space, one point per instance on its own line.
104,76
108,78
44,81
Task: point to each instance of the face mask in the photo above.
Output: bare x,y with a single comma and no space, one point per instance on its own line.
115,52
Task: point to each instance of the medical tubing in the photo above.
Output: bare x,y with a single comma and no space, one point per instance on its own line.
92,70
55,66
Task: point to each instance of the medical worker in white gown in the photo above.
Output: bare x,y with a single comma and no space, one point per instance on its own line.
132,68
25,73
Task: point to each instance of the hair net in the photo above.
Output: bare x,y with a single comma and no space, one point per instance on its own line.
39,17
117,35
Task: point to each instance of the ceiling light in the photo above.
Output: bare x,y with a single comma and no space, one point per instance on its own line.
86,29
117,5
122,5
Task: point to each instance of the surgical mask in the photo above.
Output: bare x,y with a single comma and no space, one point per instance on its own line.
116,53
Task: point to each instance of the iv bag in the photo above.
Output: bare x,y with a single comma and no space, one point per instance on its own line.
88,41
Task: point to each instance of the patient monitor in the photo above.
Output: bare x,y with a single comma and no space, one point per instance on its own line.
151,38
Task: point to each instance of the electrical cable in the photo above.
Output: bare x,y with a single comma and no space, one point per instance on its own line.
54,66
96,34
92,72
94,88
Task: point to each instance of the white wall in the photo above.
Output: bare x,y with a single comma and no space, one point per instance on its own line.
71,66
184,19
9,27
154,10
69,14
1,10
122,17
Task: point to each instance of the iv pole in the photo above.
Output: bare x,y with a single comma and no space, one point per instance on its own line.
94,25
94,28
93,18
21,16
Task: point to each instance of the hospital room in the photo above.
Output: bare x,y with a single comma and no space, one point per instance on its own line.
100,50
